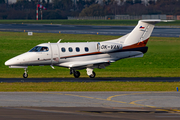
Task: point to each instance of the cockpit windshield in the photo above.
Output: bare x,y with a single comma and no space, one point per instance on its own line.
39,49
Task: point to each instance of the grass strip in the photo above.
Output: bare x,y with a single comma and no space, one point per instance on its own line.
86,22
89,86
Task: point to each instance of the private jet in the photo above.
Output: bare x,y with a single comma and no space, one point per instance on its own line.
87,55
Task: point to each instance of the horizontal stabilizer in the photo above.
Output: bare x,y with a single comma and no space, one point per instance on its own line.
141,55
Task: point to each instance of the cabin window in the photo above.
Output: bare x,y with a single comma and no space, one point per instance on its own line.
35,49
63,49
70,49
39,49
86,49
77,49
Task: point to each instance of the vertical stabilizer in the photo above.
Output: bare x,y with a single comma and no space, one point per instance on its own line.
141,32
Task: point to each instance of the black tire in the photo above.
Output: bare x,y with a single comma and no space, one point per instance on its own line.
92,75
25,75
76,74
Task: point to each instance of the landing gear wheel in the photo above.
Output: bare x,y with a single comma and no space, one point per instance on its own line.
25,75
76,74
92,75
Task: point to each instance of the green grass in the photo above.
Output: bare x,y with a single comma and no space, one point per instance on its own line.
86,22
90,86
161,60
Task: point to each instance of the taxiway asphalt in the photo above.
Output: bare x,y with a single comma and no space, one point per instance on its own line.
85,113
90,105
164,31
90,99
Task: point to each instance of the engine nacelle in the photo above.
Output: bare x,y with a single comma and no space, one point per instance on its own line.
106,47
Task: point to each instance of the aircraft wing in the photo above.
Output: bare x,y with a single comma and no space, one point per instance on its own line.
85,63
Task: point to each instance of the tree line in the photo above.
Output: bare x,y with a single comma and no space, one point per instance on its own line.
60,9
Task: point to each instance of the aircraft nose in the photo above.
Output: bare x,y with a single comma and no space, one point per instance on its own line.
12,61
17,61
8,63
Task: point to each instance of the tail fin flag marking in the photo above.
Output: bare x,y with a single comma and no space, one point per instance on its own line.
141,27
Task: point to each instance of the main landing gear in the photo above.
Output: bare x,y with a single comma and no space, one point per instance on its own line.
75,73
90,73
25,75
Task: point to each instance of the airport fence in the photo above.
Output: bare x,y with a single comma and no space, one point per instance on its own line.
87,18
126,17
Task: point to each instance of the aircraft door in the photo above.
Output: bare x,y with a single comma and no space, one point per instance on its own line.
55,53
43,55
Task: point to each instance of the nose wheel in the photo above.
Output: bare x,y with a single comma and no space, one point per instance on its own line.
25,75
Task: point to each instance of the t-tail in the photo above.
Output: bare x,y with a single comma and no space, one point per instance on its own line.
135,41
140,34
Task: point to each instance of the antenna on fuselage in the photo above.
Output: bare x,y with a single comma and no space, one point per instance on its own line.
59,41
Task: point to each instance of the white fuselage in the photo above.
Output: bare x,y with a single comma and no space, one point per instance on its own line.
59,54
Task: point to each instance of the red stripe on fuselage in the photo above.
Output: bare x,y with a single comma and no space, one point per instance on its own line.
82,54
139,44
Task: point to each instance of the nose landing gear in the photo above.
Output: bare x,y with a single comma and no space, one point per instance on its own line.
25,75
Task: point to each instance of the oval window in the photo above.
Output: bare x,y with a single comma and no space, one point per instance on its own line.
63,49
86,49
70,49
77,49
